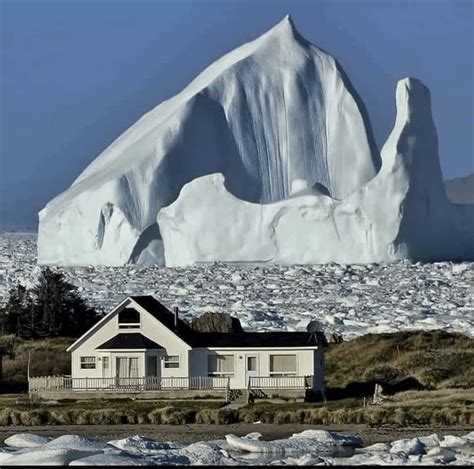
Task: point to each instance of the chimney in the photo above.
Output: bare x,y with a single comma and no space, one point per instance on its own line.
176,311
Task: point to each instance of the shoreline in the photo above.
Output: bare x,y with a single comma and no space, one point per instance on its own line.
191,433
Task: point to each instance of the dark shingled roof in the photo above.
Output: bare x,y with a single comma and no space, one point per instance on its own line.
129,341
217,339
260,339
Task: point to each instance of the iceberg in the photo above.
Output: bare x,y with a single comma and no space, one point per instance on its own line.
275,116
402,213
267,156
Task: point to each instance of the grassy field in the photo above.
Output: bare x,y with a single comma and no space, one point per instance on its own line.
434,408
48,357
439,364
435,359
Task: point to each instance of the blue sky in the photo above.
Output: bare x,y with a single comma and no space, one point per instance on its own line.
77,73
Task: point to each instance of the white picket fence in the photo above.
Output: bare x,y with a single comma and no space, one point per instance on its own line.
156,383
146,383
281,382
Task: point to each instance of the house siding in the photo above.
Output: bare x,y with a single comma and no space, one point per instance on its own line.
150,328
306,363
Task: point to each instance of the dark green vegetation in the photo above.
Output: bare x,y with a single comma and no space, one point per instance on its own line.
52,308
439,364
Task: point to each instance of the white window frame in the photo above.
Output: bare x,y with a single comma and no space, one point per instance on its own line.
221,373
88,360
129,325
106,363
284,373
171,360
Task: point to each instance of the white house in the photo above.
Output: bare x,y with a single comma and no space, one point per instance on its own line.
142,345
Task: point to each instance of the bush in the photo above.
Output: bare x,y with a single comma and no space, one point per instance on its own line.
382,374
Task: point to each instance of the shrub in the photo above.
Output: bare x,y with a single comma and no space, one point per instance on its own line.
382,374
154,416
207,416
5,417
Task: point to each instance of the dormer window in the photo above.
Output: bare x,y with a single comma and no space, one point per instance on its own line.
129,318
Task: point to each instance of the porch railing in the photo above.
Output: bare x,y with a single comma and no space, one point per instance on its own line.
280,382
146,383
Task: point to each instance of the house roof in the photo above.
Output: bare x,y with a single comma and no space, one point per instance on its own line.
228,340
197,339
129,341
260,339
166,317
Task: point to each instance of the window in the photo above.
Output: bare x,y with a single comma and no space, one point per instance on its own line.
133,368
282,365
105,363
171,361
129,318
251,363
87,363
127,367
220,365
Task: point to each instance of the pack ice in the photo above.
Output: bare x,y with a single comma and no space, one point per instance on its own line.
267,155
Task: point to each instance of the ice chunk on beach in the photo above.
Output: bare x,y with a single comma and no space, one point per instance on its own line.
27,440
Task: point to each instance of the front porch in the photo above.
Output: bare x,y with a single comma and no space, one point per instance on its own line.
154,387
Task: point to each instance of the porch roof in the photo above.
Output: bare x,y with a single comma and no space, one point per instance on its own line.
129,341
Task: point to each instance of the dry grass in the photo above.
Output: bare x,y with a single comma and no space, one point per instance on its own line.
436,359
435,408
445,407
48,357
20,410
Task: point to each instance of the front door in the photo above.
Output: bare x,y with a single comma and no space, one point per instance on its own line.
151,365
251,367
152,372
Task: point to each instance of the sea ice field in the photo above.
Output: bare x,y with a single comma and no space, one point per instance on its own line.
310,447
351,300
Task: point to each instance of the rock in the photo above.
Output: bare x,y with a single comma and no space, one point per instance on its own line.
217,322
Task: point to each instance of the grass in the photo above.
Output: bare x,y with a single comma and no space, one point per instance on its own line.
433,408
435,359
48,357
19,410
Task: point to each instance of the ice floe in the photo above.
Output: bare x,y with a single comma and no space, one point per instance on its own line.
351,300
310,447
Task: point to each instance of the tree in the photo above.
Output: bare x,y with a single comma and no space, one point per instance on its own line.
52,308
17,316
62,311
